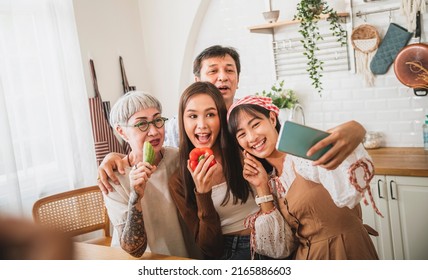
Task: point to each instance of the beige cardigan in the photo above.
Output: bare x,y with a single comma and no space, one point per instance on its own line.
166,234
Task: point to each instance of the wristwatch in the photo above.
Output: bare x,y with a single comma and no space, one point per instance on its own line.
261,199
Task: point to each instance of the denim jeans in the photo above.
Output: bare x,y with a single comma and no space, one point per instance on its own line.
237,247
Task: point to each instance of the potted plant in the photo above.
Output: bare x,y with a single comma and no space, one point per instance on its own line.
271,16
308,14
282,97
285,99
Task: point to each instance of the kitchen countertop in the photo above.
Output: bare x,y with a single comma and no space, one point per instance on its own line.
400,161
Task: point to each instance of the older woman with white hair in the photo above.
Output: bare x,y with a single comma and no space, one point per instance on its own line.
141,208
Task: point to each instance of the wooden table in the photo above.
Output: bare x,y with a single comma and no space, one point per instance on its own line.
85,251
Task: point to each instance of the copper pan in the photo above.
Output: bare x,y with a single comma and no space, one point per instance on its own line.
411,64
411,67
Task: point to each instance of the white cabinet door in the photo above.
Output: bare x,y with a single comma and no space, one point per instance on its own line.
383,242
403,231
408,206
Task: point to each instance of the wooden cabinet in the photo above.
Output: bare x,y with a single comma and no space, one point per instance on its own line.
403,231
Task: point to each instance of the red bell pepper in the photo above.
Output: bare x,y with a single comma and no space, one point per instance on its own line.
197,154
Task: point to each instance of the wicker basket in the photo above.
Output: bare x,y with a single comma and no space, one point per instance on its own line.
365,38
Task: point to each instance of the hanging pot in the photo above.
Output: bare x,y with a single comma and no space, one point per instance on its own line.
411,67
411,64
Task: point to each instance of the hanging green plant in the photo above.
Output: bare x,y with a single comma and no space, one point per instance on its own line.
308,13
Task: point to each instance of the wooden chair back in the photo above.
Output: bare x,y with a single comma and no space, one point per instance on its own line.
75,212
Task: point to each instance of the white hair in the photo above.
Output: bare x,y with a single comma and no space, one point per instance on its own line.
129,104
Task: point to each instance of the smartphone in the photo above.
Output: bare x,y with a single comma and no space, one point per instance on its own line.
296,139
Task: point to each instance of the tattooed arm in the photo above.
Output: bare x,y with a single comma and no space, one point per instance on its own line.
133,238
124,206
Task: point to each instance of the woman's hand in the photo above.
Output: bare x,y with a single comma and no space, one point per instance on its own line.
139,176
255,174
203,175
345,138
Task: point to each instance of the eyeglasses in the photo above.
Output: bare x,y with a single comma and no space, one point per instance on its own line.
144,125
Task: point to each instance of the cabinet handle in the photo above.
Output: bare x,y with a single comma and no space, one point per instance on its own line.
390,189
378,188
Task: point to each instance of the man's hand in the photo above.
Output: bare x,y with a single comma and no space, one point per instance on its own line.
345,138
112,162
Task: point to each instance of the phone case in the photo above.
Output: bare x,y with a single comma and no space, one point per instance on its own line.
296,139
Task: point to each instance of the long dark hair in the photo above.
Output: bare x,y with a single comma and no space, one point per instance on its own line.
254,111
232,157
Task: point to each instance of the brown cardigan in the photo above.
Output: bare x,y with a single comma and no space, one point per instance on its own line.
202,219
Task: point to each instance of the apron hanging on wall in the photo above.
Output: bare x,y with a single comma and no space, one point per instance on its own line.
126,87
105,140
125,84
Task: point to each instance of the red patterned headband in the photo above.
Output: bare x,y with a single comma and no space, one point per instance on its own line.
262,101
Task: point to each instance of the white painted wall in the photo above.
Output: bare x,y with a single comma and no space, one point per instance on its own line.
159,39
170,29
155,39
108,29
388,107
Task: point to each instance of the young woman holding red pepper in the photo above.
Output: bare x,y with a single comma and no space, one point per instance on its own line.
213,201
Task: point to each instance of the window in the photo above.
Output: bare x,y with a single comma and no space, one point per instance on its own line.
46,143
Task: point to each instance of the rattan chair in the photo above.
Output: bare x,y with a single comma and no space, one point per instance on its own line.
75,212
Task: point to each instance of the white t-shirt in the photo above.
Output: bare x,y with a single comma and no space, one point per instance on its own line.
172,137
232,216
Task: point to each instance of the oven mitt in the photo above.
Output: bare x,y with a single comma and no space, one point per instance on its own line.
395,39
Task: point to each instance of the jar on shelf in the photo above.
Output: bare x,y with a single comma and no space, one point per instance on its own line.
373,140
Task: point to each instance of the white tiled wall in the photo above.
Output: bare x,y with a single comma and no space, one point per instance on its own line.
388,107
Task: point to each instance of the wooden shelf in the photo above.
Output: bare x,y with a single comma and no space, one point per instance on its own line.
268,27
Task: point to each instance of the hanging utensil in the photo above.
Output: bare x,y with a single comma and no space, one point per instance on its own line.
411,68
411,64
